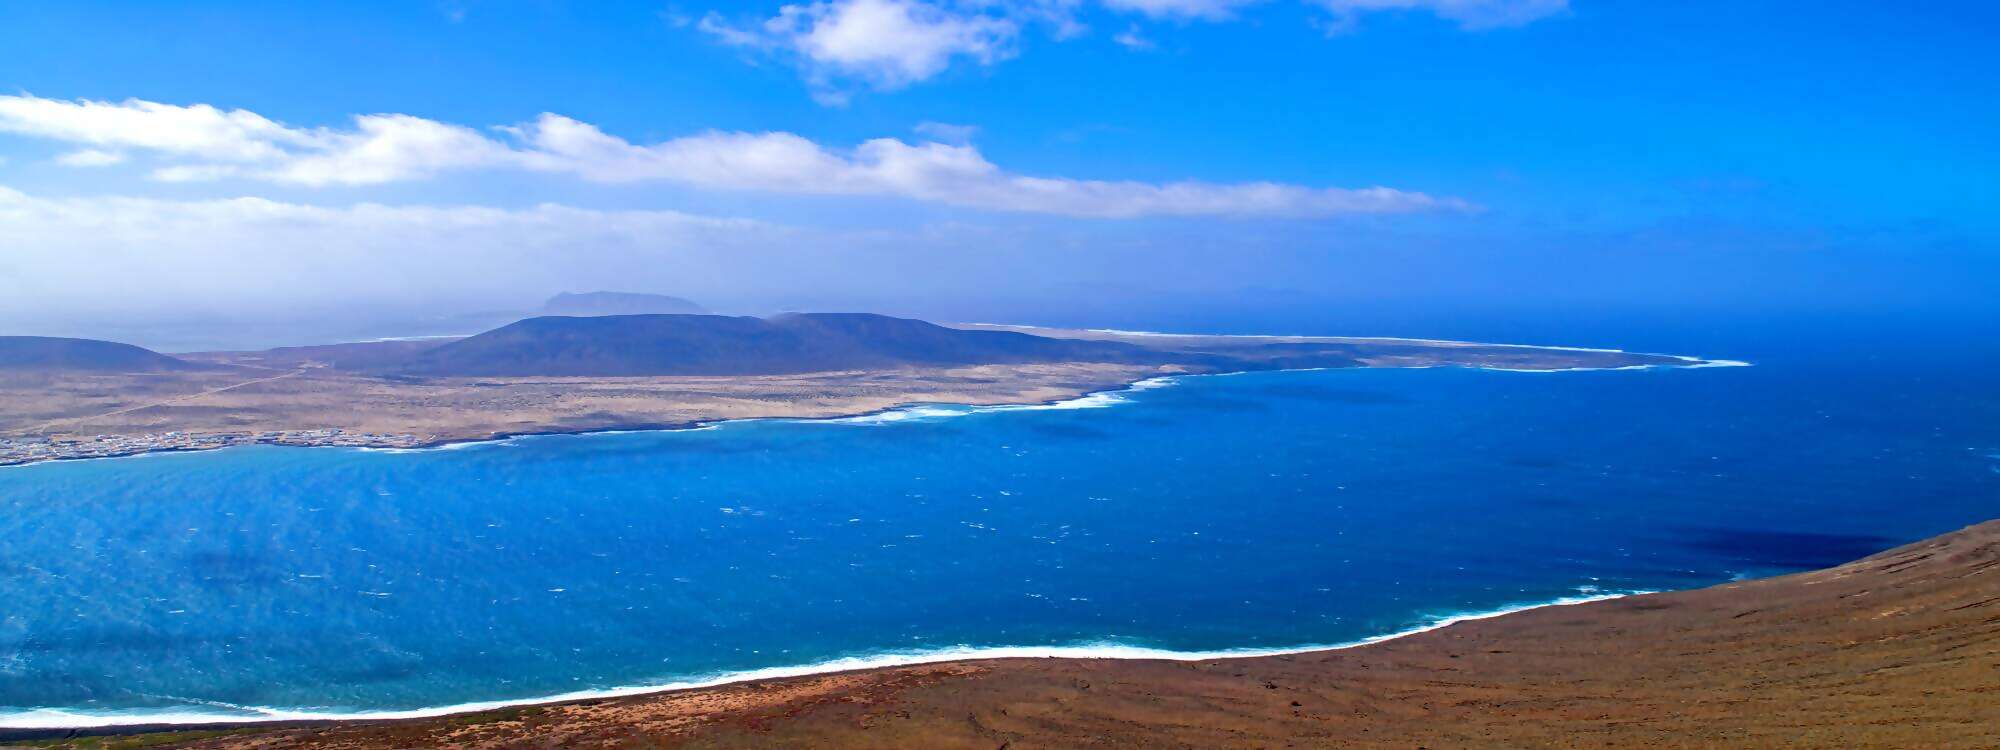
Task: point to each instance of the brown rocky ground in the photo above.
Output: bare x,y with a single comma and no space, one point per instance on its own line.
450,409
313,388
1898,650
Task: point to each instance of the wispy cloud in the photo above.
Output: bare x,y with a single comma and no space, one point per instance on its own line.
1471,15
198,130
1133,39
201,142
844,45
1205,10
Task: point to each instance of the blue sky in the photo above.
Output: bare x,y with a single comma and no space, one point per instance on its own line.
1060,159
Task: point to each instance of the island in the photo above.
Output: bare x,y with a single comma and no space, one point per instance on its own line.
74,398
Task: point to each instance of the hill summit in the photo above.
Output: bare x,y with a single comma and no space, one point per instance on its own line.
619,303
635,345
83,355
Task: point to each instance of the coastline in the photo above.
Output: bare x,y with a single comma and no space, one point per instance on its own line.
1891,650
401,443
44,719
1101,398
1442,343
455,443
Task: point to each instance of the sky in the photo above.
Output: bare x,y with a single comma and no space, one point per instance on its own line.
284,173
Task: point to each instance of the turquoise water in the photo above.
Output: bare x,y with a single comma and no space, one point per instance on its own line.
1258,511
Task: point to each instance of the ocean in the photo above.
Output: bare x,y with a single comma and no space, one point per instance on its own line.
1198,515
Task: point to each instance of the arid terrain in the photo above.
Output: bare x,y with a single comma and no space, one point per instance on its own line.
72,406
1898,650
353,395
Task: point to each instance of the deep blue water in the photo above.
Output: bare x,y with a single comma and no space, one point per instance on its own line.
1251,511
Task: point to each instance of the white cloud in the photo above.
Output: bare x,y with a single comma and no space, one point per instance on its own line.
199,130
388,148
955,175
380,148
1204,10
90,157
842,45
391,148
887,44
1471,15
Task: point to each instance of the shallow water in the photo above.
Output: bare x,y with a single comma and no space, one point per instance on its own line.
1255,511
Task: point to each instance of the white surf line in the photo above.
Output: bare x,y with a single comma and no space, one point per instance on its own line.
1106,398
1113,396
56,718
1695,361
389,339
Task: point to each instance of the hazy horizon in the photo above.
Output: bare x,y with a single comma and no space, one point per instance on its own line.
1409,168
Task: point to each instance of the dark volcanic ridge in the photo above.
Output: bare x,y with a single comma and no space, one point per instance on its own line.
48,353
671,344
636,345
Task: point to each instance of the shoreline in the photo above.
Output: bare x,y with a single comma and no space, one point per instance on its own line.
46,722
1447,343
56,719
453,443
1890,650
413,443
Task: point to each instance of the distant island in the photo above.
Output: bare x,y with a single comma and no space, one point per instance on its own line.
648,345
79,398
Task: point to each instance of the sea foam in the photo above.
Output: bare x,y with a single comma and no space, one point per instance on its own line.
921,412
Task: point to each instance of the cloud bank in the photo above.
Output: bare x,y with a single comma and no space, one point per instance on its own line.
108,256
201,143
